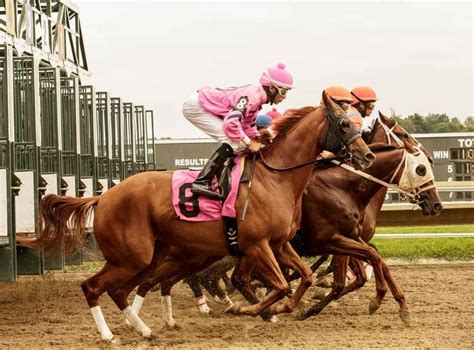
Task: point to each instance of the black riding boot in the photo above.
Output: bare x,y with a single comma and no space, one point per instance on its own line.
213,167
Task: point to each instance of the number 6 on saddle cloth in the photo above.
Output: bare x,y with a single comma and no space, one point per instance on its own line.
192,207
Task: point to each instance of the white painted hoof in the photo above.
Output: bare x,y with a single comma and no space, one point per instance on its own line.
146,332
109,338
274,319
170,323
204,309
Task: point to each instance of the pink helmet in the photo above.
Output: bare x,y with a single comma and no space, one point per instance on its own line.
277,76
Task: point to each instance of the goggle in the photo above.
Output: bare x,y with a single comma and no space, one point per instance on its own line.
281,91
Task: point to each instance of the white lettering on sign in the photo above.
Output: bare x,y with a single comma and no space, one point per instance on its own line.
190,162
441,154
466,142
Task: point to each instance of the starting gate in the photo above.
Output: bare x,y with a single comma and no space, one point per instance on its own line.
88,143
117,151
26,155
56,135
51,139
7,215
129,140
104,147
150,143
140,139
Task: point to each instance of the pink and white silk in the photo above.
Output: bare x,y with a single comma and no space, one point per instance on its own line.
221,102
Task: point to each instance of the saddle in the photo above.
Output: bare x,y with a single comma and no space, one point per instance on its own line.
192,207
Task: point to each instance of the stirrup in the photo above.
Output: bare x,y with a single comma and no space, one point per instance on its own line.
205,190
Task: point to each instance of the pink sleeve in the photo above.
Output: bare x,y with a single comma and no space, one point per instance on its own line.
232,126
253,132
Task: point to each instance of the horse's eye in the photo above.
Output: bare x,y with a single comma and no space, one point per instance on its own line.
420,170
345,125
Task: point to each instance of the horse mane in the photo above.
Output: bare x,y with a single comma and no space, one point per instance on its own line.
290,118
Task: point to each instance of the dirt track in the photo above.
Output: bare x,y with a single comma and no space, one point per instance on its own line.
51,311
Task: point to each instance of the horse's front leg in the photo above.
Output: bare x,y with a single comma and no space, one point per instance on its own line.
290,259
339,264
260,255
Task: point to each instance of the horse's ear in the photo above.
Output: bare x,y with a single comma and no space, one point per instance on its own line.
385,119
328,102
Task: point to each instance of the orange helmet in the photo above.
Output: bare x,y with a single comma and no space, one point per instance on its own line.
363,94
339,94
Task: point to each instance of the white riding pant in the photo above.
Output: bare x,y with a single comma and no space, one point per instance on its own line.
208,122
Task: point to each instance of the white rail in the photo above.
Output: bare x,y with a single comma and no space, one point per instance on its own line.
424,235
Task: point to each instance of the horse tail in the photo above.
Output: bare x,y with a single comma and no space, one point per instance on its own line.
62,223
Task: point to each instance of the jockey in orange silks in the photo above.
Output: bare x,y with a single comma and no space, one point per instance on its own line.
364,103
228,115
344,99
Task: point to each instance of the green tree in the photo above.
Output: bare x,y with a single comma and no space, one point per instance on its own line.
407,124
469,124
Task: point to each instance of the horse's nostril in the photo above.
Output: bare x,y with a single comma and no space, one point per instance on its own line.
370,156
438,206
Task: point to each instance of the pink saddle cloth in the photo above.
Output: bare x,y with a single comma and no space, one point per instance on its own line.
191,207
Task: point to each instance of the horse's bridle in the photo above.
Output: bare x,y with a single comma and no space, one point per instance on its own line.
338,141
414,194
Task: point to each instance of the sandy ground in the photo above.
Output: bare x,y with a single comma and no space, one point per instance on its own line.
51,311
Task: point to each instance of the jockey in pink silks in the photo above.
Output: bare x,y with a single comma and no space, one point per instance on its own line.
229,116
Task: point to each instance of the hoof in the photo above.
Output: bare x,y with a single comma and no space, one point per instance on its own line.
173,327
274,319
301,316
373,306
146,332
324,282
109,338
405,316
233,309
319,294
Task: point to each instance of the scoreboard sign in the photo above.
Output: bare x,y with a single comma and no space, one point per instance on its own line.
453,155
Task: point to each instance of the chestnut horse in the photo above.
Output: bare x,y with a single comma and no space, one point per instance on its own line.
136,227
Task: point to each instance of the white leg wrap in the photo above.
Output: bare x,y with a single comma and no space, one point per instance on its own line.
369,270
99,319
136,322
137,303
168,310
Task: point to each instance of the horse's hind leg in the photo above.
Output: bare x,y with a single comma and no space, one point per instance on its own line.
120,295
108,278
194,282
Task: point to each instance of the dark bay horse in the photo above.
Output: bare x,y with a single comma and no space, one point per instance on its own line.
138,232
340,230
385,130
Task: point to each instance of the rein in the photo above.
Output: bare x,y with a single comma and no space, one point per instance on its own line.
414,194
336,139
314,161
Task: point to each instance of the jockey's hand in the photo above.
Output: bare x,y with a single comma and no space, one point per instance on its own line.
266,137
254,146
326,155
